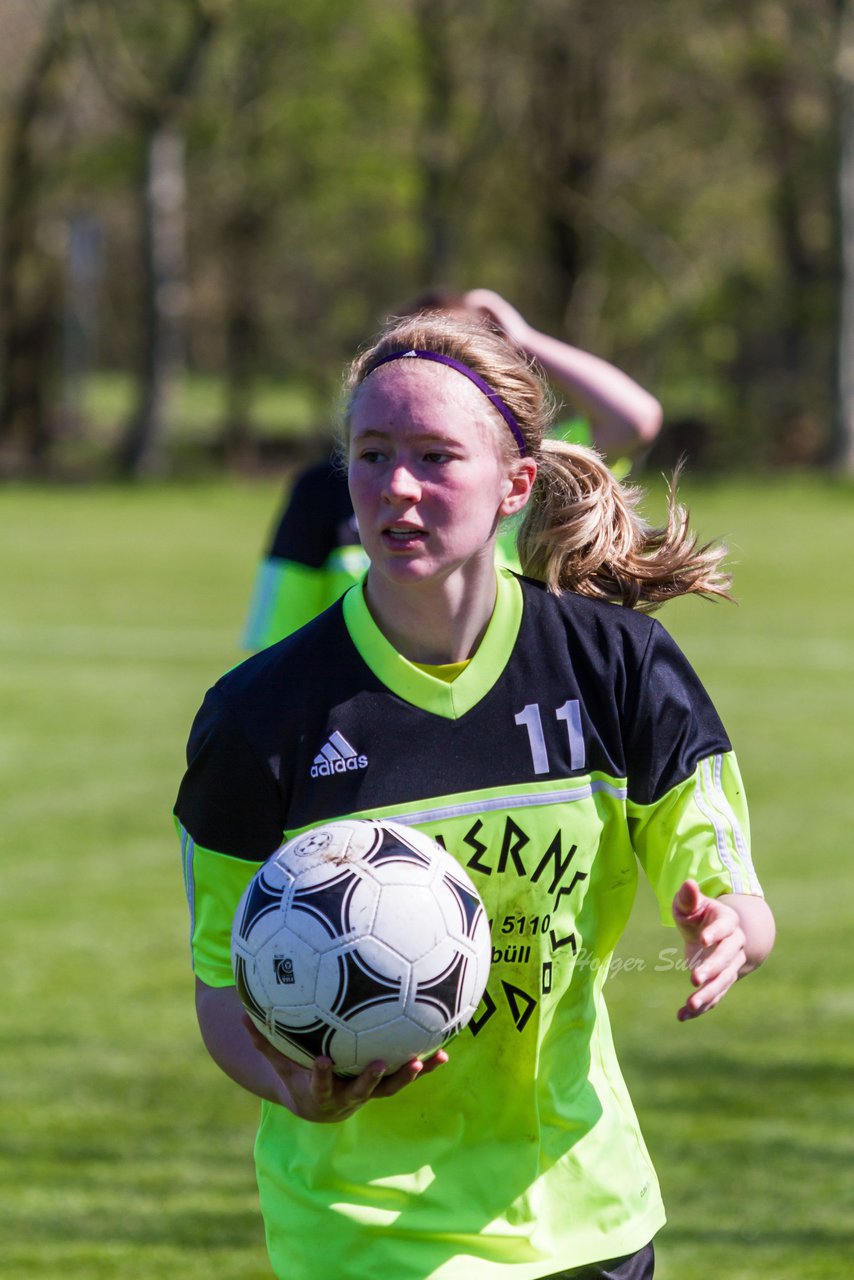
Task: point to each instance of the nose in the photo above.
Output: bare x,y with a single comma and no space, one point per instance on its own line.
401,486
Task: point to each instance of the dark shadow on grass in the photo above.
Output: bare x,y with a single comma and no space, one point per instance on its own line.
186,1229
776,1238
742,1080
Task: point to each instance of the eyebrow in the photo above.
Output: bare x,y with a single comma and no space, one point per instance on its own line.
420,437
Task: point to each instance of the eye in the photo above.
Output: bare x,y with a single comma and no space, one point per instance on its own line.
437,457
371,455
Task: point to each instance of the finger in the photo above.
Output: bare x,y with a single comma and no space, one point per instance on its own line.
689,1012
436,1060
364,1086
411,1071
399,1079
322,1081
709,995
699,1003
720,927
708,964
688,905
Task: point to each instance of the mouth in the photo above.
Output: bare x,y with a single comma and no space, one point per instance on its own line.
403,535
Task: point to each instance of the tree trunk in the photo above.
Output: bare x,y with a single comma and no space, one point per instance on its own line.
243,233
569,99
843,451
29,288
437,140
162,203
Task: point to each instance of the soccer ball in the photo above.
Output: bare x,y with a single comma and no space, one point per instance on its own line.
360,941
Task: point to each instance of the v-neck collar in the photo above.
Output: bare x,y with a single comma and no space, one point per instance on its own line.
418,687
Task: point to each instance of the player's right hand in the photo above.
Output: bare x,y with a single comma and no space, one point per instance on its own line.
317,1094
497,309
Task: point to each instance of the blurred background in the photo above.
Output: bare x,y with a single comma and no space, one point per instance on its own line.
207,205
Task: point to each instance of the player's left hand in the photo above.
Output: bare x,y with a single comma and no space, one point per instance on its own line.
714,947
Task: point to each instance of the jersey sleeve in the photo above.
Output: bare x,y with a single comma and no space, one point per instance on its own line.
286,596
698,830
229,821
686,806
213,884
313,556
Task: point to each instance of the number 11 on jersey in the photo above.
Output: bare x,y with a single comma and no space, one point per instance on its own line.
530,718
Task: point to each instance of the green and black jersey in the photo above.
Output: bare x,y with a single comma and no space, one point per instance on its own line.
577,742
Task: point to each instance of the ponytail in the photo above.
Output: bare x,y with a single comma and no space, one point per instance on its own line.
583,533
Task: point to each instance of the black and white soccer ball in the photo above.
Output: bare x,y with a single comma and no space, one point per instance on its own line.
360,941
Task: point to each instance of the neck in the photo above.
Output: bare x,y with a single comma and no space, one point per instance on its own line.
433,622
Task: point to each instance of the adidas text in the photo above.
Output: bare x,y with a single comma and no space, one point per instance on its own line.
322,768
337,756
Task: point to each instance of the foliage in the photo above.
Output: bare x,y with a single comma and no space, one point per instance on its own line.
657,186
126,1153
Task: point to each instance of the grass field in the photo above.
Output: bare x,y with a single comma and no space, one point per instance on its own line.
125,1154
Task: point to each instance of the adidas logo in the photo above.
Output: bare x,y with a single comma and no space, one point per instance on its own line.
337,756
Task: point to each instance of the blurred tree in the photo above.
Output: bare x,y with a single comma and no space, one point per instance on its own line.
260,131
468,111
570,50
434,21
714,195
655,186
786,91
29,287
843,442
148,66
290,202
251,59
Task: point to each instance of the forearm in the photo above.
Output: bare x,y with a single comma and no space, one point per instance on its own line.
758,927
220,1015
622,414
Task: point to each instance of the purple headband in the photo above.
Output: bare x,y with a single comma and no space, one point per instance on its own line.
492,396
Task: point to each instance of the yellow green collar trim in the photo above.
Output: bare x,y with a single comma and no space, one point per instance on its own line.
447,671
419,687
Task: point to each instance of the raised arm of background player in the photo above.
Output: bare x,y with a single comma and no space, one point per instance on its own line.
623,417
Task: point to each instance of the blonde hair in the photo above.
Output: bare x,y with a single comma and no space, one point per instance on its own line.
478,345
582,530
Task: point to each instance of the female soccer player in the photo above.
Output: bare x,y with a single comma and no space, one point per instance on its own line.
552,738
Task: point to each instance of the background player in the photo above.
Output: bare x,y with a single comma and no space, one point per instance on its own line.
552,739
315,553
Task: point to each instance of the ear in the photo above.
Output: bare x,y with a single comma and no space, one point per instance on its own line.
520,482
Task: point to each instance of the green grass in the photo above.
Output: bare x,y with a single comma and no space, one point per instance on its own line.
749,1112
125,1154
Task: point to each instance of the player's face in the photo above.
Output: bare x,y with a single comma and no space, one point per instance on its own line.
429,478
